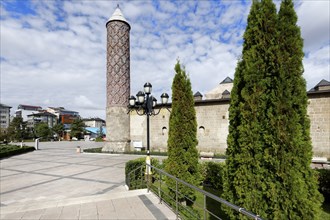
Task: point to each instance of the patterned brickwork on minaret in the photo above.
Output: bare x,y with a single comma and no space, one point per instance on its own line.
118,83
118,64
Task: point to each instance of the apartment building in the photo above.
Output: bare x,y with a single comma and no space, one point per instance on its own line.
25,110
4,116
44,117
94,122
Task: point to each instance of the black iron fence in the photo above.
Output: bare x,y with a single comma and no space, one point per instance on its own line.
156,183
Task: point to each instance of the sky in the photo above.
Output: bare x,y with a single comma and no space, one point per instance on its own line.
53,53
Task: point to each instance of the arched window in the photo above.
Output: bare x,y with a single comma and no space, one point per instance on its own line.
201,130
164,130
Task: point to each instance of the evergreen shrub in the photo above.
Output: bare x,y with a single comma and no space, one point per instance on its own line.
94,150
269,147
11,150
324,183
182,141
212,173
99,139
136,177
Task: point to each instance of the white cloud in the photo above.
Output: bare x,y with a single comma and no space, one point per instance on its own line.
317,66
57,55
314,19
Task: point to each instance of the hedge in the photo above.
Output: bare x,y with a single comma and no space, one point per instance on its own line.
324,183
212,174
11,150
135,178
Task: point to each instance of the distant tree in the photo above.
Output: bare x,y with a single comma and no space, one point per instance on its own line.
29,133
42,130
16,129
269,148
182,159
77,128
100,133
58,129
4,135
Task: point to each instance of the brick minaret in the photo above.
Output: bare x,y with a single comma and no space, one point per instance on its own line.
118,83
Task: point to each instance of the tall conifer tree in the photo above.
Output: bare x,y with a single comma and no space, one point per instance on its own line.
292,125
269,149
182,159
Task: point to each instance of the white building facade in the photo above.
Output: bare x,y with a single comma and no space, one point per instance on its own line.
4,116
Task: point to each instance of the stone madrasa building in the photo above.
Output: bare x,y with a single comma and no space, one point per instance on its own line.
128,131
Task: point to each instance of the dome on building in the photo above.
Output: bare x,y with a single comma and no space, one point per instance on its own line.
217,92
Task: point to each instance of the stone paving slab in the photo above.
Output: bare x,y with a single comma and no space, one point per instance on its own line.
55,182
143,206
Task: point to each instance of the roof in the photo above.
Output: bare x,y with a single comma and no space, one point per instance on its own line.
95,130
56,108
4,106
217,92
28,107
63,110
118,16
43,114
227,80
68,111
322,83
198,94
93,119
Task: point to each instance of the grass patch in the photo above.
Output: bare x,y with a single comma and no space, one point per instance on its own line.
325,214
11,150
94,150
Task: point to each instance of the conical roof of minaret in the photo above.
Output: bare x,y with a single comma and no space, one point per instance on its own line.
118,16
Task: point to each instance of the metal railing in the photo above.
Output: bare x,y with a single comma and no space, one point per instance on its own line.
155,182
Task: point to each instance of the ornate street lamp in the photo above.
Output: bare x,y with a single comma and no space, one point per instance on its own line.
144,104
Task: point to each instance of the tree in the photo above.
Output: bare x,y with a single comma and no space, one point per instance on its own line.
269,149
58,129
16,129
4,135
182,159
293,134
77,128
100,133
42,130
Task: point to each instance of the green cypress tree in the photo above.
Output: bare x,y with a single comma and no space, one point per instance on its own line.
269,149
182,159
292,125
248,181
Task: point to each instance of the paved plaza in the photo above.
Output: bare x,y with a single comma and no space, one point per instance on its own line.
55,182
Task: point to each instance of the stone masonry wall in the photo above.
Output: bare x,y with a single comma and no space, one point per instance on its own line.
212,128
213,122
319,114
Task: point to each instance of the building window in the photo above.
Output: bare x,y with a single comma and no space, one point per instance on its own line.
164,130
201,130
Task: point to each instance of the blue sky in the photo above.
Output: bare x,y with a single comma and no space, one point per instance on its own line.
53,53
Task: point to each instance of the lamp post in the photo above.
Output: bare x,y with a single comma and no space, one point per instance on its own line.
144,104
